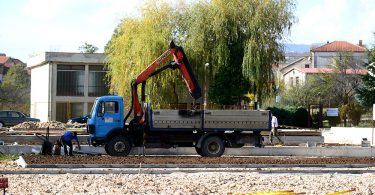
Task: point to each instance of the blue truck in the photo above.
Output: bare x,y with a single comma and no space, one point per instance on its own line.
209,131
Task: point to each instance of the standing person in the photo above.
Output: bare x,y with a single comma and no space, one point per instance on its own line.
66,140
275,125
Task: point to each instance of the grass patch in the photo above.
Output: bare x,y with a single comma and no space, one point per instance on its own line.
8,157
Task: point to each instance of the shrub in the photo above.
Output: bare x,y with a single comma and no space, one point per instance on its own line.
333,120
355,112
300,117
291,116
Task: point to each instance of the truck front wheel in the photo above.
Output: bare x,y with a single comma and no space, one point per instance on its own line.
213,146
199,151
118,146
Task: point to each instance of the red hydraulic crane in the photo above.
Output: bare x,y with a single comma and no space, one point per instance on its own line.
180,61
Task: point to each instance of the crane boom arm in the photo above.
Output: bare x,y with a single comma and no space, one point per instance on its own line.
180,61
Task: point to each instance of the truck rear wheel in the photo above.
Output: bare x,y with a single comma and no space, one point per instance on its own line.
118,146
213,146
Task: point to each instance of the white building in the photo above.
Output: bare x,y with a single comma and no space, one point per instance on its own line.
65,85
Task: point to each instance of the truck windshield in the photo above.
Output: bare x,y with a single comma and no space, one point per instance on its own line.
93,109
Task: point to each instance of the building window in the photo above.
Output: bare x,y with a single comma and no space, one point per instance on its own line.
70,80
97,82
291,81
307,65
297,81
68,110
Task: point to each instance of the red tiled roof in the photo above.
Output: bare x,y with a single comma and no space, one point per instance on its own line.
331,70
339,46
3,59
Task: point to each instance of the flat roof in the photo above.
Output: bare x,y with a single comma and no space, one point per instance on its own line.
66,57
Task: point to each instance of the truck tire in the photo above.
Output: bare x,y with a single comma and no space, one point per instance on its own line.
106,148
213,146
119,146
199,151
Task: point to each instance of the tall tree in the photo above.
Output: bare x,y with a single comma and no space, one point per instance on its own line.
87,48
136,43
245,35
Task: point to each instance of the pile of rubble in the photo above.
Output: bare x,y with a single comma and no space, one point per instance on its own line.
4,129
43,125
40,125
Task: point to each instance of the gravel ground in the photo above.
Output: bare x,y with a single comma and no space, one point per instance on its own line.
186,183
105,159
189,183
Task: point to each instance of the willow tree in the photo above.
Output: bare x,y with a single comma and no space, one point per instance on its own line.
136,43
245,36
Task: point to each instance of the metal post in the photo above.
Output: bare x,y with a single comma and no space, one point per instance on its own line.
372,135
205,86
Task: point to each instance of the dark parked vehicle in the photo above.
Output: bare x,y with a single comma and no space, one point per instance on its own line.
82,119
11,118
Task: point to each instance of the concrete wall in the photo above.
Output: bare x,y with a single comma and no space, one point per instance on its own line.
347,135
40,88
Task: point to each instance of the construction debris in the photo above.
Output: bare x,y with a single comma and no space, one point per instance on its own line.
53,125
4,129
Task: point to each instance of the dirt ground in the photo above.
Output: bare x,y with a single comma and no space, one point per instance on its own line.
39,159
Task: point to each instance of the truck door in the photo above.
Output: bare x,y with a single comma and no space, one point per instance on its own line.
108,117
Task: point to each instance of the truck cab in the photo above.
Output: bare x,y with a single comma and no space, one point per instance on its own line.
106,118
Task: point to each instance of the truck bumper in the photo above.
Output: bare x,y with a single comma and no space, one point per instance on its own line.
96,141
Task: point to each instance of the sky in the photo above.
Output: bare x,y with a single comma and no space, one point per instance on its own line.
30,27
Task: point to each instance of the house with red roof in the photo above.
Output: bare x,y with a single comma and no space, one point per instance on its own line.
298,72
324,55
5,63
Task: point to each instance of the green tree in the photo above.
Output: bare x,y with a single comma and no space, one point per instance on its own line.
139,41
87,48
15,89
228,89
244,35
366,92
